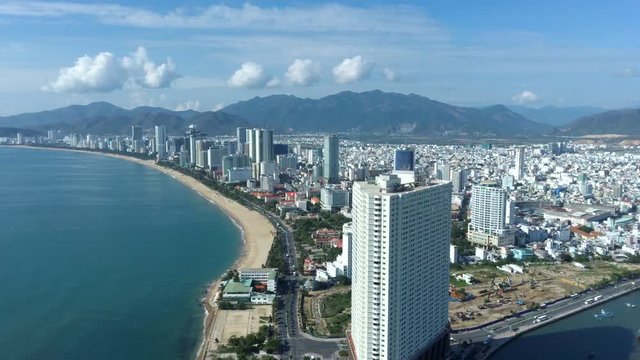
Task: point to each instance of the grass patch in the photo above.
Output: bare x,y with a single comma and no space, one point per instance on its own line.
336,304
337,313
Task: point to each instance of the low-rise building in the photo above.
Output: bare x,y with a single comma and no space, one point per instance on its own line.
522,254
237,291
266,276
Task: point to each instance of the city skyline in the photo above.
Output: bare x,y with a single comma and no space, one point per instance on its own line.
201,55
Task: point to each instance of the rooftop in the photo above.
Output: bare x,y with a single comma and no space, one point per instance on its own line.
238,287
390,184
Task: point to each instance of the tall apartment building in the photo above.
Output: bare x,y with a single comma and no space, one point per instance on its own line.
334,198
519,170
459,180
242,139
193,134
488,216
442,171
260,143
136,133
401,237
331,159
161,141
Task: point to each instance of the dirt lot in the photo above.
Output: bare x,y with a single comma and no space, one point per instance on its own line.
230,323
550,282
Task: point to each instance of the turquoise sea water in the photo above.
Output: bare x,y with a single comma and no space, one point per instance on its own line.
102,258
582,337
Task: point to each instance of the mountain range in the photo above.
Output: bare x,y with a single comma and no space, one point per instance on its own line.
555,115
380,112
622,122
102,118
371,112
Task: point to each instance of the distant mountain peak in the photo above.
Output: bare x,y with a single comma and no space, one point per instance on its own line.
382,112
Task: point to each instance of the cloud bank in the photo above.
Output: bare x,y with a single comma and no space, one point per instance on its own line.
105,73
313,18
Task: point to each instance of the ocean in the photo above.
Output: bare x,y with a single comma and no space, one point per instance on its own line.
582,336
101,258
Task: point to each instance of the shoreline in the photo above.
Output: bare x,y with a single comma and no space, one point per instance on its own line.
501,341
256,231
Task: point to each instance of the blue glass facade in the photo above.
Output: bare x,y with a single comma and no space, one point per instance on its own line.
404,160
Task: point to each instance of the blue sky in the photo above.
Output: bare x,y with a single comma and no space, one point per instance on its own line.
204,55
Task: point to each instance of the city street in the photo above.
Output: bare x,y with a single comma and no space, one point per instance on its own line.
297,343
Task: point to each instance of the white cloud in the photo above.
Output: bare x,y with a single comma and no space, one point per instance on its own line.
104,73
352,70
303,72
251,75
525,97
189,105
219,106
389,74
146,73
273,82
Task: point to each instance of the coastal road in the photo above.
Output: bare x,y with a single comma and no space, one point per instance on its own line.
510,327
297,343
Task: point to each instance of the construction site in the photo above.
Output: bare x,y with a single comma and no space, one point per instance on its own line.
496,293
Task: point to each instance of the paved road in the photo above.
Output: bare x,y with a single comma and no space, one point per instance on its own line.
297,343
509,328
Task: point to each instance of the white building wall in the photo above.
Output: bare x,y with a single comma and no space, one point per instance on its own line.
400,246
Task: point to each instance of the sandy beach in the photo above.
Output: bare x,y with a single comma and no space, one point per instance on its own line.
257,231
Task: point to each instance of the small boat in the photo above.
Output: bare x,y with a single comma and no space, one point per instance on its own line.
603,314
630,305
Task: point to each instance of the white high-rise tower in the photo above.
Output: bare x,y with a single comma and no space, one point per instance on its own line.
519,171
400,277
161,139
488,216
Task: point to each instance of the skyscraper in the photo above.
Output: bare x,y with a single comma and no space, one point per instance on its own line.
242,139
442,171
260,147
519,171
330,156
264,145
251,142
488,214
136,133
458,179
193,135
401,237
161,140
404,160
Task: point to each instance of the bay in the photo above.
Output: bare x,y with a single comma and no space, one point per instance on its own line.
582,336
102,258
